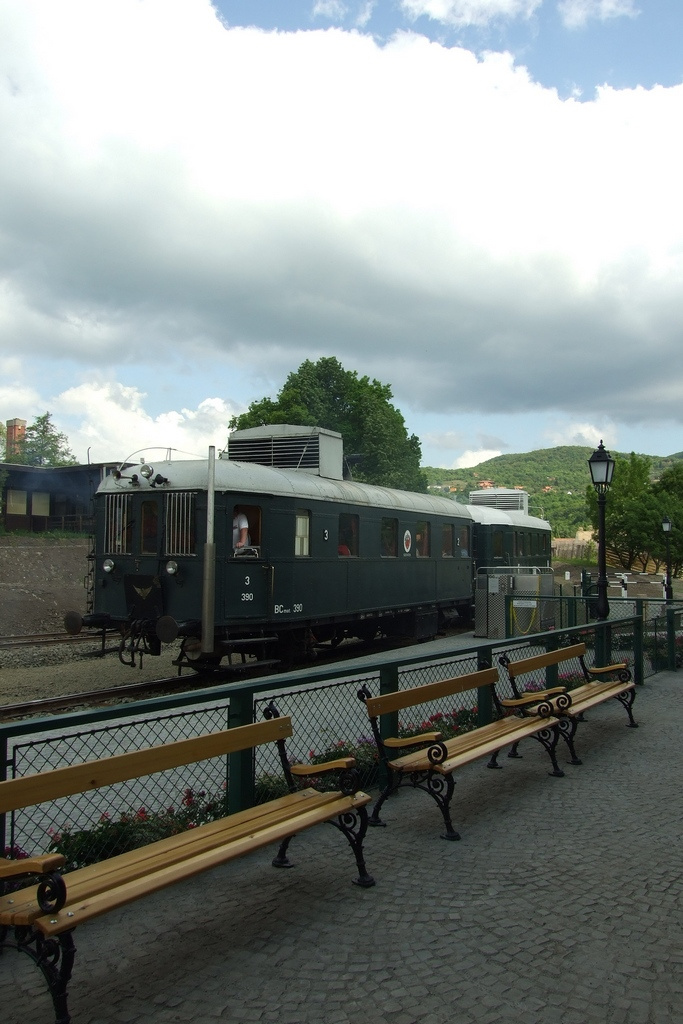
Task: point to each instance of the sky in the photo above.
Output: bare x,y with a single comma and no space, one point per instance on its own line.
477,202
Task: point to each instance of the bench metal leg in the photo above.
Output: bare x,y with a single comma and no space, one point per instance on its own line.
568,727
493,760
549,738
393,784
54,957
626,698
441,789
354,825
281,860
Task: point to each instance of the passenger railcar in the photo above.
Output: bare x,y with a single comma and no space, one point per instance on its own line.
272,549
509,537
325,557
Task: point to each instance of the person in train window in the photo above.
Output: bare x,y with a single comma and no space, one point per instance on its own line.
240,531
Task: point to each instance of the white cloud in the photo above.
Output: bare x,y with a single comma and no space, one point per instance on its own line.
109,421
473,458
240,200
332,9
582,433
577,13
470,12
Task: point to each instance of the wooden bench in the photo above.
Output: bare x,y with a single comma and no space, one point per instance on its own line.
42,916
569,705
428,761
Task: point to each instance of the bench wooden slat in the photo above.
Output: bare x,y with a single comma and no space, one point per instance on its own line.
518,668
31,865
590,694
21,907
81,778
415,768
594,690
475,744
113,898
110,884
401,699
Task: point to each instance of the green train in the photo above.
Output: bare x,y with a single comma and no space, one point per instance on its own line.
270,548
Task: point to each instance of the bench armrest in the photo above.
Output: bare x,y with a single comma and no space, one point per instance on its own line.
620,667
31,865
412,741
533,697
341,764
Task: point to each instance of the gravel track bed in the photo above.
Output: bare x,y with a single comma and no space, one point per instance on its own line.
27,674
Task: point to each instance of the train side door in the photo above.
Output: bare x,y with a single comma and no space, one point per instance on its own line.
248,577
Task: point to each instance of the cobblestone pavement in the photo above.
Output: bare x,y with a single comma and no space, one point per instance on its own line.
561,905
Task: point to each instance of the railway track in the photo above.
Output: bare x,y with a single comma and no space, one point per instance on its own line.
8,643
93,698
123,692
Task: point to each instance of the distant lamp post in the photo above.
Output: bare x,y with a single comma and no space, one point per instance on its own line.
601,465
666,526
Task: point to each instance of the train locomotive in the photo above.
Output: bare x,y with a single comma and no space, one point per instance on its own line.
271,549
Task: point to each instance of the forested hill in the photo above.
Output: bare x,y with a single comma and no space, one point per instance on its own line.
556,479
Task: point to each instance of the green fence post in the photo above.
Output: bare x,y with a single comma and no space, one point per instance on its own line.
600,644
388,683
551,673
671,639
638,654
241,763
484,698
388,724
571,612
4,765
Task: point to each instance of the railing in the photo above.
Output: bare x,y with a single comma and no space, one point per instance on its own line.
328,717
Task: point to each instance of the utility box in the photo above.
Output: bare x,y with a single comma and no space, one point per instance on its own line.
520,592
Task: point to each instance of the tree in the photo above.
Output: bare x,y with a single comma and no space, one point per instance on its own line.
324,394
43,445
669,494
630,513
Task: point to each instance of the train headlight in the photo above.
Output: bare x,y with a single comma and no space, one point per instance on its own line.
172,568
108,565
146,471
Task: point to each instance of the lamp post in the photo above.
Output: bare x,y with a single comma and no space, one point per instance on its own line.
666,526
601,465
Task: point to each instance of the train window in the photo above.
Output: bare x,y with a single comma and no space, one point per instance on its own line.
253,515
464,541
389,538
347,543
303,533
422,539
498,544
180,523
149,532
447,532
16,503
118,525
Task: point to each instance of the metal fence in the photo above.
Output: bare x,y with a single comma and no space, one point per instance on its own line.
328,717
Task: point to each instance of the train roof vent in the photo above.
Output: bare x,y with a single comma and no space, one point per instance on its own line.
283,446
501,497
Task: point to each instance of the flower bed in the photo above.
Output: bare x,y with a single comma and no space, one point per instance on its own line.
133,829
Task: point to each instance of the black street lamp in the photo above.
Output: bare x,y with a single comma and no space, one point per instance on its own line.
601,465
666,526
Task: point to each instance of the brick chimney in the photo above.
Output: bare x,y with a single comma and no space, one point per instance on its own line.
16,430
